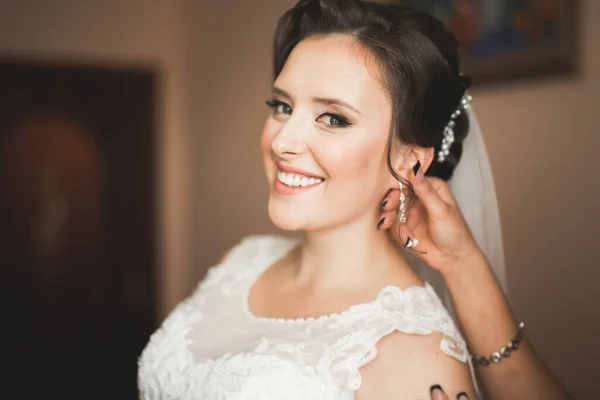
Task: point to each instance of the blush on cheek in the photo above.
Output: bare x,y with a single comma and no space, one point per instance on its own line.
358,164
356,176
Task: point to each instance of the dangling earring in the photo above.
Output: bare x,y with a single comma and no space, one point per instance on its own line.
402,216
402,209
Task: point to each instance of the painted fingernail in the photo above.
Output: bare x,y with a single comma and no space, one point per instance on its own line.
380,223
462,396
384,204
434,388
416,167
420,176
408,240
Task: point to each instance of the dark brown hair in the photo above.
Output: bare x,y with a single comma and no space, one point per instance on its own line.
419,61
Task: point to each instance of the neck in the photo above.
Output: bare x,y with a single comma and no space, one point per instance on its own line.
347,257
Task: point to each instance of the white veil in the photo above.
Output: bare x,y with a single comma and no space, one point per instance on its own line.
473,187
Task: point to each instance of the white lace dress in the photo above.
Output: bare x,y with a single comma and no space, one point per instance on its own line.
212,347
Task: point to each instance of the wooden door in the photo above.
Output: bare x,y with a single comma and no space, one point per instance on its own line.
77,190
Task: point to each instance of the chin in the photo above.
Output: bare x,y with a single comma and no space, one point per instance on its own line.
286,217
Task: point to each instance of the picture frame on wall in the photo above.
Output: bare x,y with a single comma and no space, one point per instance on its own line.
503,40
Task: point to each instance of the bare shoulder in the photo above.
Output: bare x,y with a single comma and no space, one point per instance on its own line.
407,366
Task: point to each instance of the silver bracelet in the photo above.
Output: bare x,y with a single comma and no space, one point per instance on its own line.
504,352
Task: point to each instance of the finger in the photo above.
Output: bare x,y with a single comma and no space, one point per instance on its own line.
443,190
437,393
391,201
427,193
416,216
405,236
386,220
400,233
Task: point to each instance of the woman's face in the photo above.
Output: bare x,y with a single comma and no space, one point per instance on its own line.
325,142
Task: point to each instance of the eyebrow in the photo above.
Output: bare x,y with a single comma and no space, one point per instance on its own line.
319,100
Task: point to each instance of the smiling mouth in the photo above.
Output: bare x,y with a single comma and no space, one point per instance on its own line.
297,180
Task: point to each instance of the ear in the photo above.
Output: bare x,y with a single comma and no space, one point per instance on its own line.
405,158
424,155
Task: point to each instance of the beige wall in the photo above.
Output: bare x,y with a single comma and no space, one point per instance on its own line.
131,33
227,99
542,138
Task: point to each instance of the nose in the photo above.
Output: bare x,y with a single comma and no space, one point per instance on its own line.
290,141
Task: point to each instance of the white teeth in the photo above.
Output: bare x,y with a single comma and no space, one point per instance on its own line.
294,180
289,179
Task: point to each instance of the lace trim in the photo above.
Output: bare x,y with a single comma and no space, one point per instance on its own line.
244,261
167,354
415,310
330,349
425,305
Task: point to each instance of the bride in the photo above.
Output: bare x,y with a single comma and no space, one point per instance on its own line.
367,100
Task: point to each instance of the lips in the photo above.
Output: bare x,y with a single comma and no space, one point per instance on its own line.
290,180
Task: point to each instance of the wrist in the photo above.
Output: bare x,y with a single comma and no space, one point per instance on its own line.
467,263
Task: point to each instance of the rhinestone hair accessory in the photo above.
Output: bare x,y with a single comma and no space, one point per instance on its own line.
448,139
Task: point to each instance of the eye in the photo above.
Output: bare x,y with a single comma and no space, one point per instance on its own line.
279,107
334,120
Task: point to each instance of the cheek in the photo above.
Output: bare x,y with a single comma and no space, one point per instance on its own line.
356,176
356,165
355,179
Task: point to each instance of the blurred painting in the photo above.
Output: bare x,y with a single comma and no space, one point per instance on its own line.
506,39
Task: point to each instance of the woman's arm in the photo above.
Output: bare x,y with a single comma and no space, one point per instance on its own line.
488,324
483,312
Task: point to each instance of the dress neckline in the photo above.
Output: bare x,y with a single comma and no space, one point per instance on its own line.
292,245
